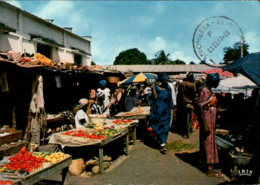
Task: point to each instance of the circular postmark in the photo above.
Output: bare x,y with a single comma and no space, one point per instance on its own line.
212,35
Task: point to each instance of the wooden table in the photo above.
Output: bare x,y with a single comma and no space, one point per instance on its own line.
45,173
124,132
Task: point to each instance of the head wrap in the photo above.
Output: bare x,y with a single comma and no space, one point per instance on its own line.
212,80
102,82
83,101
163,76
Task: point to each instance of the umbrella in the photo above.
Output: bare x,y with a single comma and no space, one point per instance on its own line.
240,82
248,66
140,77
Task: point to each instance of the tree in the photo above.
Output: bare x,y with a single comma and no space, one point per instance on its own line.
93,63
177,62
131,57
161,58
203,62
233,54
192,63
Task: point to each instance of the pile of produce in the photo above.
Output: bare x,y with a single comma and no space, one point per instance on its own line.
129,114
6,182
107,132
178,146
23,161
121,122
139,110
96,134
56,157
84,134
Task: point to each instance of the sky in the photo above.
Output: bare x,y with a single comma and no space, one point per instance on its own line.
151,26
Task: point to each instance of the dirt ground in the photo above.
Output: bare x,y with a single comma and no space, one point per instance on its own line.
145,165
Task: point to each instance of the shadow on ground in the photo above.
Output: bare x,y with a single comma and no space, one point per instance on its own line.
191,158
151,142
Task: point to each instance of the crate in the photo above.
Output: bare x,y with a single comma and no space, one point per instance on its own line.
4,128
14,135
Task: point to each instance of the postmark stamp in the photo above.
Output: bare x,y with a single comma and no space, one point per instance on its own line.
212,35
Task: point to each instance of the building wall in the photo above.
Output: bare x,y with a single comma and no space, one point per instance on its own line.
28,25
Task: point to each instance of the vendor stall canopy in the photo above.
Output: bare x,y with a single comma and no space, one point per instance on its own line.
248,66
140,77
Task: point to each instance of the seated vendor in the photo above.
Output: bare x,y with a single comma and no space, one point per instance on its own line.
98,106
81,117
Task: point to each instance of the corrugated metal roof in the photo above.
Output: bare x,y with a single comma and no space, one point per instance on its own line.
197,68
219,71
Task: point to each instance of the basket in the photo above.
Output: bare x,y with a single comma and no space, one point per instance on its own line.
113,79
98,120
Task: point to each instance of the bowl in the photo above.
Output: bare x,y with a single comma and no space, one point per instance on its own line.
223,143
98,120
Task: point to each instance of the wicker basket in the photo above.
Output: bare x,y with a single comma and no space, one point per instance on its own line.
113,79
97,120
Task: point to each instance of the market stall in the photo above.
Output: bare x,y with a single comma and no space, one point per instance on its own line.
137,113
88,136
31,167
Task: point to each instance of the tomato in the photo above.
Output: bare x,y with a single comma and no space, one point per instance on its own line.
8,182
23,149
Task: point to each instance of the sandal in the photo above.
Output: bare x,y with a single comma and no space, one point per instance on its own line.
163,149
213,173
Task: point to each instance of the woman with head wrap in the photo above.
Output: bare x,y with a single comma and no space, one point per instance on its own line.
207,112
160,113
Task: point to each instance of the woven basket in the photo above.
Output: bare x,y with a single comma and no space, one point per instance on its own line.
113,79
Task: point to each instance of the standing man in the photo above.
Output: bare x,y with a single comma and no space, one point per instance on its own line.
106,92
185,98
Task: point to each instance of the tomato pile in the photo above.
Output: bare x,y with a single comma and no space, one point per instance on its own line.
81,133
7,182
121,122
24,160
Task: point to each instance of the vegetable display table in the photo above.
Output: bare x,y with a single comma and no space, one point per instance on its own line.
43,173
136,113
78,141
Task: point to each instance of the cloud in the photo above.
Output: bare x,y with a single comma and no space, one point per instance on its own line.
157,44
15,3
252,39
181,56
64,13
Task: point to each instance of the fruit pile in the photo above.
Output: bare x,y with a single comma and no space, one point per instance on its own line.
107,132
84,134
24,161
56,157
121,122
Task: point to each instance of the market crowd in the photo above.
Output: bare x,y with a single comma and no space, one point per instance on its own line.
172,107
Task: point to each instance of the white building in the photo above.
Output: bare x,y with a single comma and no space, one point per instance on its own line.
24,32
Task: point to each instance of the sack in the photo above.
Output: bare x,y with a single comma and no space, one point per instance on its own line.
77,166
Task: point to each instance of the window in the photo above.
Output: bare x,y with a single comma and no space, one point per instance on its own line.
78,59
44,50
